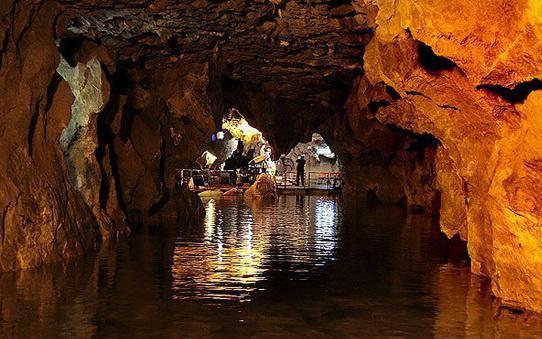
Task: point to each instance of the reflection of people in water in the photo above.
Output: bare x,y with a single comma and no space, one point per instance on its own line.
300,200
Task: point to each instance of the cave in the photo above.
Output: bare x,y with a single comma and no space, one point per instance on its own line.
420,123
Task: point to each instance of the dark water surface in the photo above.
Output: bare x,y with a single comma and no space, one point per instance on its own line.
301,267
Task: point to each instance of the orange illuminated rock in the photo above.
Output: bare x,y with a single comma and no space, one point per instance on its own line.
465,72
265,188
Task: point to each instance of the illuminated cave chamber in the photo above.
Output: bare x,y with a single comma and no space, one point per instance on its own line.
119,109
318,155
235,144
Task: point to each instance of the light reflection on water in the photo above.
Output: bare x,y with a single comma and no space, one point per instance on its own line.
301,267
240,247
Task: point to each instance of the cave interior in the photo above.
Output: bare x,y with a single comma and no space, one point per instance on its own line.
119,94
167,80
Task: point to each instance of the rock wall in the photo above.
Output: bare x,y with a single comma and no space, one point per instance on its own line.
466,73
90,141
382,163
42,217
265,188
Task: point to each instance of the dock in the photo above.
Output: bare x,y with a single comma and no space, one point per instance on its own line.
316,183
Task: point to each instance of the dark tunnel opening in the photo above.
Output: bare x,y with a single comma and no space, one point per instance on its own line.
516,95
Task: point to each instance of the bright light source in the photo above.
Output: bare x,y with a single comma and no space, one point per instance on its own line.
325,151
240,129
209,157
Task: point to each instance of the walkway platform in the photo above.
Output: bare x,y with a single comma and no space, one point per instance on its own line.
316,183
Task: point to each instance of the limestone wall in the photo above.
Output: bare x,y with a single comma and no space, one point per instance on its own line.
467,73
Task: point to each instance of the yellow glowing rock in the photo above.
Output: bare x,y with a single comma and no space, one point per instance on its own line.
493,41
240,129
489,164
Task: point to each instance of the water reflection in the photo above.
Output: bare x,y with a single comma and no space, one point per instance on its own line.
300,267
244,241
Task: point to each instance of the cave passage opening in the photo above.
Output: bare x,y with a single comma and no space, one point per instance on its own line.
238,147
155,116
144,110
234,145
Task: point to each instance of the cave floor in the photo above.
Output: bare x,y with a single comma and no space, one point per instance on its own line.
303,266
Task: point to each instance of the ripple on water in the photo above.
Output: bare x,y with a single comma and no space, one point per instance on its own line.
300,267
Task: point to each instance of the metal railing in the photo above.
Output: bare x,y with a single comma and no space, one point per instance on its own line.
205,177
216,178
321,180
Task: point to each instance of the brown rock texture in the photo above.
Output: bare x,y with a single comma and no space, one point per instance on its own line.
265,188
90,140
42,217
103,100
465,73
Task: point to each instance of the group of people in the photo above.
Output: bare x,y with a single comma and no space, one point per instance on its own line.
239,161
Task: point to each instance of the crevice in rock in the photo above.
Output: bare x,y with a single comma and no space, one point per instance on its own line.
51,90
392,93
416,168
68,47
32,126
453,108
454,249
4,45
29,19
164,198
174,46
416,93
515,95
374,106
432,62
120,80
421,141
106,138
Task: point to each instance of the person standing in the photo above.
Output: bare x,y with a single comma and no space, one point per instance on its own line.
300,170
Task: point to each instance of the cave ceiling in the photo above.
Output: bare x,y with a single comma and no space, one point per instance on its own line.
296,50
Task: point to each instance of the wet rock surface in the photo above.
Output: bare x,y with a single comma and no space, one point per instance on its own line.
470,82
265,188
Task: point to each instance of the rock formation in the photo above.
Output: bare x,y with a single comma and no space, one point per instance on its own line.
265,188
432,104
466,74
